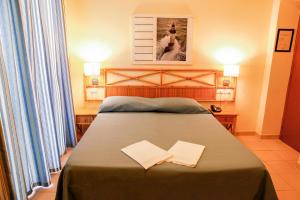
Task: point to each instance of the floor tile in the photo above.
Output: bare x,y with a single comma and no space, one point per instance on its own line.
54,177
288,195
44,196
282,167
289,155
270,169
280,183
293,179
266,144
268,155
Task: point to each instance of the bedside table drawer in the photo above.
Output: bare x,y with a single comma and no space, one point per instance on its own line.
85,118
224,118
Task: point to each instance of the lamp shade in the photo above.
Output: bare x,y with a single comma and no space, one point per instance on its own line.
91,69
231,70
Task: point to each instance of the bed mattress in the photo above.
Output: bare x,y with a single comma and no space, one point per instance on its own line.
97,169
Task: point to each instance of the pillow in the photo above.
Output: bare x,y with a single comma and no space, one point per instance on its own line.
141,104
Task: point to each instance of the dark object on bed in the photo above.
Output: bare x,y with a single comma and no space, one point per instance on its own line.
97,169
141,104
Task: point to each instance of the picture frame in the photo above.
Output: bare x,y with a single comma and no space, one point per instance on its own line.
162,40
284,40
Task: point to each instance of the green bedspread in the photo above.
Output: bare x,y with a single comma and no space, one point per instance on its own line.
97,169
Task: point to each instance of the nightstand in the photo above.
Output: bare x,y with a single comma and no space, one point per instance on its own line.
227,119
84,118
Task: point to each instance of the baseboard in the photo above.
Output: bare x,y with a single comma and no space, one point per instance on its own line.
252,133
268,136
244,133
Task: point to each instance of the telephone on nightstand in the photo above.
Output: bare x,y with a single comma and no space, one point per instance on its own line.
215,108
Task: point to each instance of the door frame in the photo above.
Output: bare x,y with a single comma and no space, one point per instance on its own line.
6,191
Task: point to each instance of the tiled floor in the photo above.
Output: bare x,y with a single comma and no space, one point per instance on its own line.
281,161
279,158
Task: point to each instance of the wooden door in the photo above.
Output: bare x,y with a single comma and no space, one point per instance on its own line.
290,130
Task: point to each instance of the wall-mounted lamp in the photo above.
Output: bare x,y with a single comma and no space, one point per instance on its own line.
93,70
230,71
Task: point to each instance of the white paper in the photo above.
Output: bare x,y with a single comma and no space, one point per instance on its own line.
185,153
146,153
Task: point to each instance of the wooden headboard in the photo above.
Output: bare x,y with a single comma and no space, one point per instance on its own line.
199,84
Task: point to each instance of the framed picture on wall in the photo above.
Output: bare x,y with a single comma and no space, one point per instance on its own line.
284,40
162,40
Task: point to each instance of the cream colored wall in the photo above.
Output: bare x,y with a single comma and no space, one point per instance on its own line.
277,74
268,65
216,24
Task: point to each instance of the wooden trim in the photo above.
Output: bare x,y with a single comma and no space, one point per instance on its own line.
188,78
5,183
135,78
203,83
84,86
82,122
158,69
253,133
269,136
245,133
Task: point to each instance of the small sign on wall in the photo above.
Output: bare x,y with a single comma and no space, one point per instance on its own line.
284,40
161,40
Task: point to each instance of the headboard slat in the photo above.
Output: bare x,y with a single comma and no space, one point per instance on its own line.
201,85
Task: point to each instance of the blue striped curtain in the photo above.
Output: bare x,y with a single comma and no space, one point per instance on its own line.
36,101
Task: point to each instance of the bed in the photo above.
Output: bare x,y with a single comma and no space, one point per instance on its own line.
97,169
